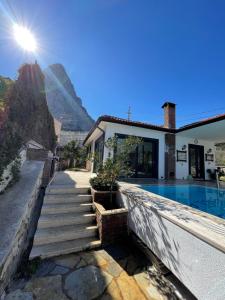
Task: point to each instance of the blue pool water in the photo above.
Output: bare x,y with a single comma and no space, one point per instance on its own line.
206,199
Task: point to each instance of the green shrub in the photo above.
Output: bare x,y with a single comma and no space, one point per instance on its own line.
222,178
15,170
115,165
102,184
10,143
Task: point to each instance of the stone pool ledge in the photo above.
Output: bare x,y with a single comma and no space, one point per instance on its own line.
207,227
190,243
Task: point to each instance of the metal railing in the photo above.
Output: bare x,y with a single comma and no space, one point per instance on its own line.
217,179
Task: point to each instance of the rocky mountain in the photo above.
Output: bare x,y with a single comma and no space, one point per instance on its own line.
26,113
63,102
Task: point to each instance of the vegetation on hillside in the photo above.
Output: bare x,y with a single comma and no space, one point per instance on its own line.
5,84
10,142
24,114
28,108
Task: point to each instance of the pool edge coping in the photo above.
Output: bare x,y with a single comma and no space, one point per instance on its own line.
193,226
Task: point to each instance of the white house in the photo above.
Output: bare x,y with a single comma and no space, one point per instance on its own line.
167,152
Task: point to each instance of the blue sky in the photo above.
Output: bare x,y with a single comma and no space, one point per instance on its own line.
128,52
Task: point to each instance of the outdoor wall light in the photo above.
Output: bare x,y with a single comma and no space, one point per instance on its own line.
209,151
184,147
196,141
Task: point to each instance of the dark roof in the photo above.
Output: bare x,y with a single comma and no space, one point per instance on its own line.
116,120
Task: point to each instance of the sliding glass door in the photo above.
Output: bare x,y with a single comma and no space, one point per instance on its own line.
196,161
144,159
99,152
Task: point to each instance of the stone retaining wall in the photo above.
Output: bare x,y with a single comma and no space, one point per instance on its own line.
11,255
37,154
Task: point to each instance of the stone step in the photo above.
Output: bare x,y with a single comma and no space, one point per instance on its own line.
66,208
58,189
64,233
54,199
67,247
56,220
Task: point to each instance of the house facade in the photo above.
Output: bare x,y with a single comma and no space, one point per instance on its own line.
167,152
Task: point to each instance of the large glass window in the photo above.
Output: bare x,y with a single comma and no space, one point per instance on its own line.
144,158
99,152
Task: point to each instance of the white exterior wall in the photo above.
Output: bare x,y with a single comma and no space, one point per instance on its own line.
111,129
67,136
182,168
97,135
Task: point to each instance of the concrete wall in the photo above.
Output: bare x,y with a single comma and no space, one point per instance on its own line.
182,168
37,154
68,136
112,129
97,134
196,263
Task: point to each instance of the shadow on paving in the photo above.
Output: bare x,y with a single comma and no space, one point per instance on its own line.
114,272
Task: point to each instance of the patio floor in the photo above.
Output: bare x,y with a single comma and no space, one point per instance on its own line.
72,178
115,272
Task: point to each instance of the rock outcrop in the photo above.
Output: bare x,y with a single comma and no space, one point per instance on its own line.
63,102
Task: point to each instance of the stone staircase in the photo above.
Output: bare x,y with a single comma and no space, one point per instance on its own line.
67,223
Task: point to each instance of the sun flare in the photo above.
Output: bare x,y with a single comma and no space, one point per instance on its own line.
24,38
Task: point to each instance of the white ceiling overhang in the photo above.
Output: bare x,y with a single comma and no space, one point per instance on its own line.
213,132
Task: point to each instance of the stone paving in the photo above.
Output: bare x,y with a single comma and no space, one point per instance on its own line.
72,178
115,272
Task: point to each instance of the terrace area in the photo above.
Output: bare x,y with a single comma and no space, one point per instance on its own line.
118,271
73,264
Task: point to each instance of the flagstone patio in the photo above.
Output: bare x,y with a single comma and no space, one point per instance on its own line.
116,272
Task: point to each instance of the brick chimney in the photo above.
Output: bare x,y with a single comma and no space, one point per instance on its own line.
169,115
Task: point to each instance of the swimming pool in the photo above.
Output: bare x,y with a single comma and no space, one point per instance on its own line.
206,199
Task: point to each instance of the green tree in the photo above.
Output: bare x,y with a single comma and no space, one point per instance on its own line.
71,152
117,163
10,144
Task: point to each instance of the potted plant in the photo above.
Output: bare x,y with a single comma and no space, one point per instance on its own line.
112,219
212,174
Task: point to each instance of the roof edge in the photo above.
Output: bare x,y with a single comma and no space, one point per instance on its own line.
111,119
202,123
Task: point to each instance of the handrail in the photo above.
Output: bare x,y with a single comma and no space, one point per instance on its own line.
217,180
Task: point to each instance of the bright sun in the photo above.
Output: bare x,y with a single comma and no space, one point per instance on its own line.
24,38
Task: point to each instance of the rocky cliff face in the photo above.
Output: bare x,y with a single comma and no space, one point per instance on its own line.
27,112
63,102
